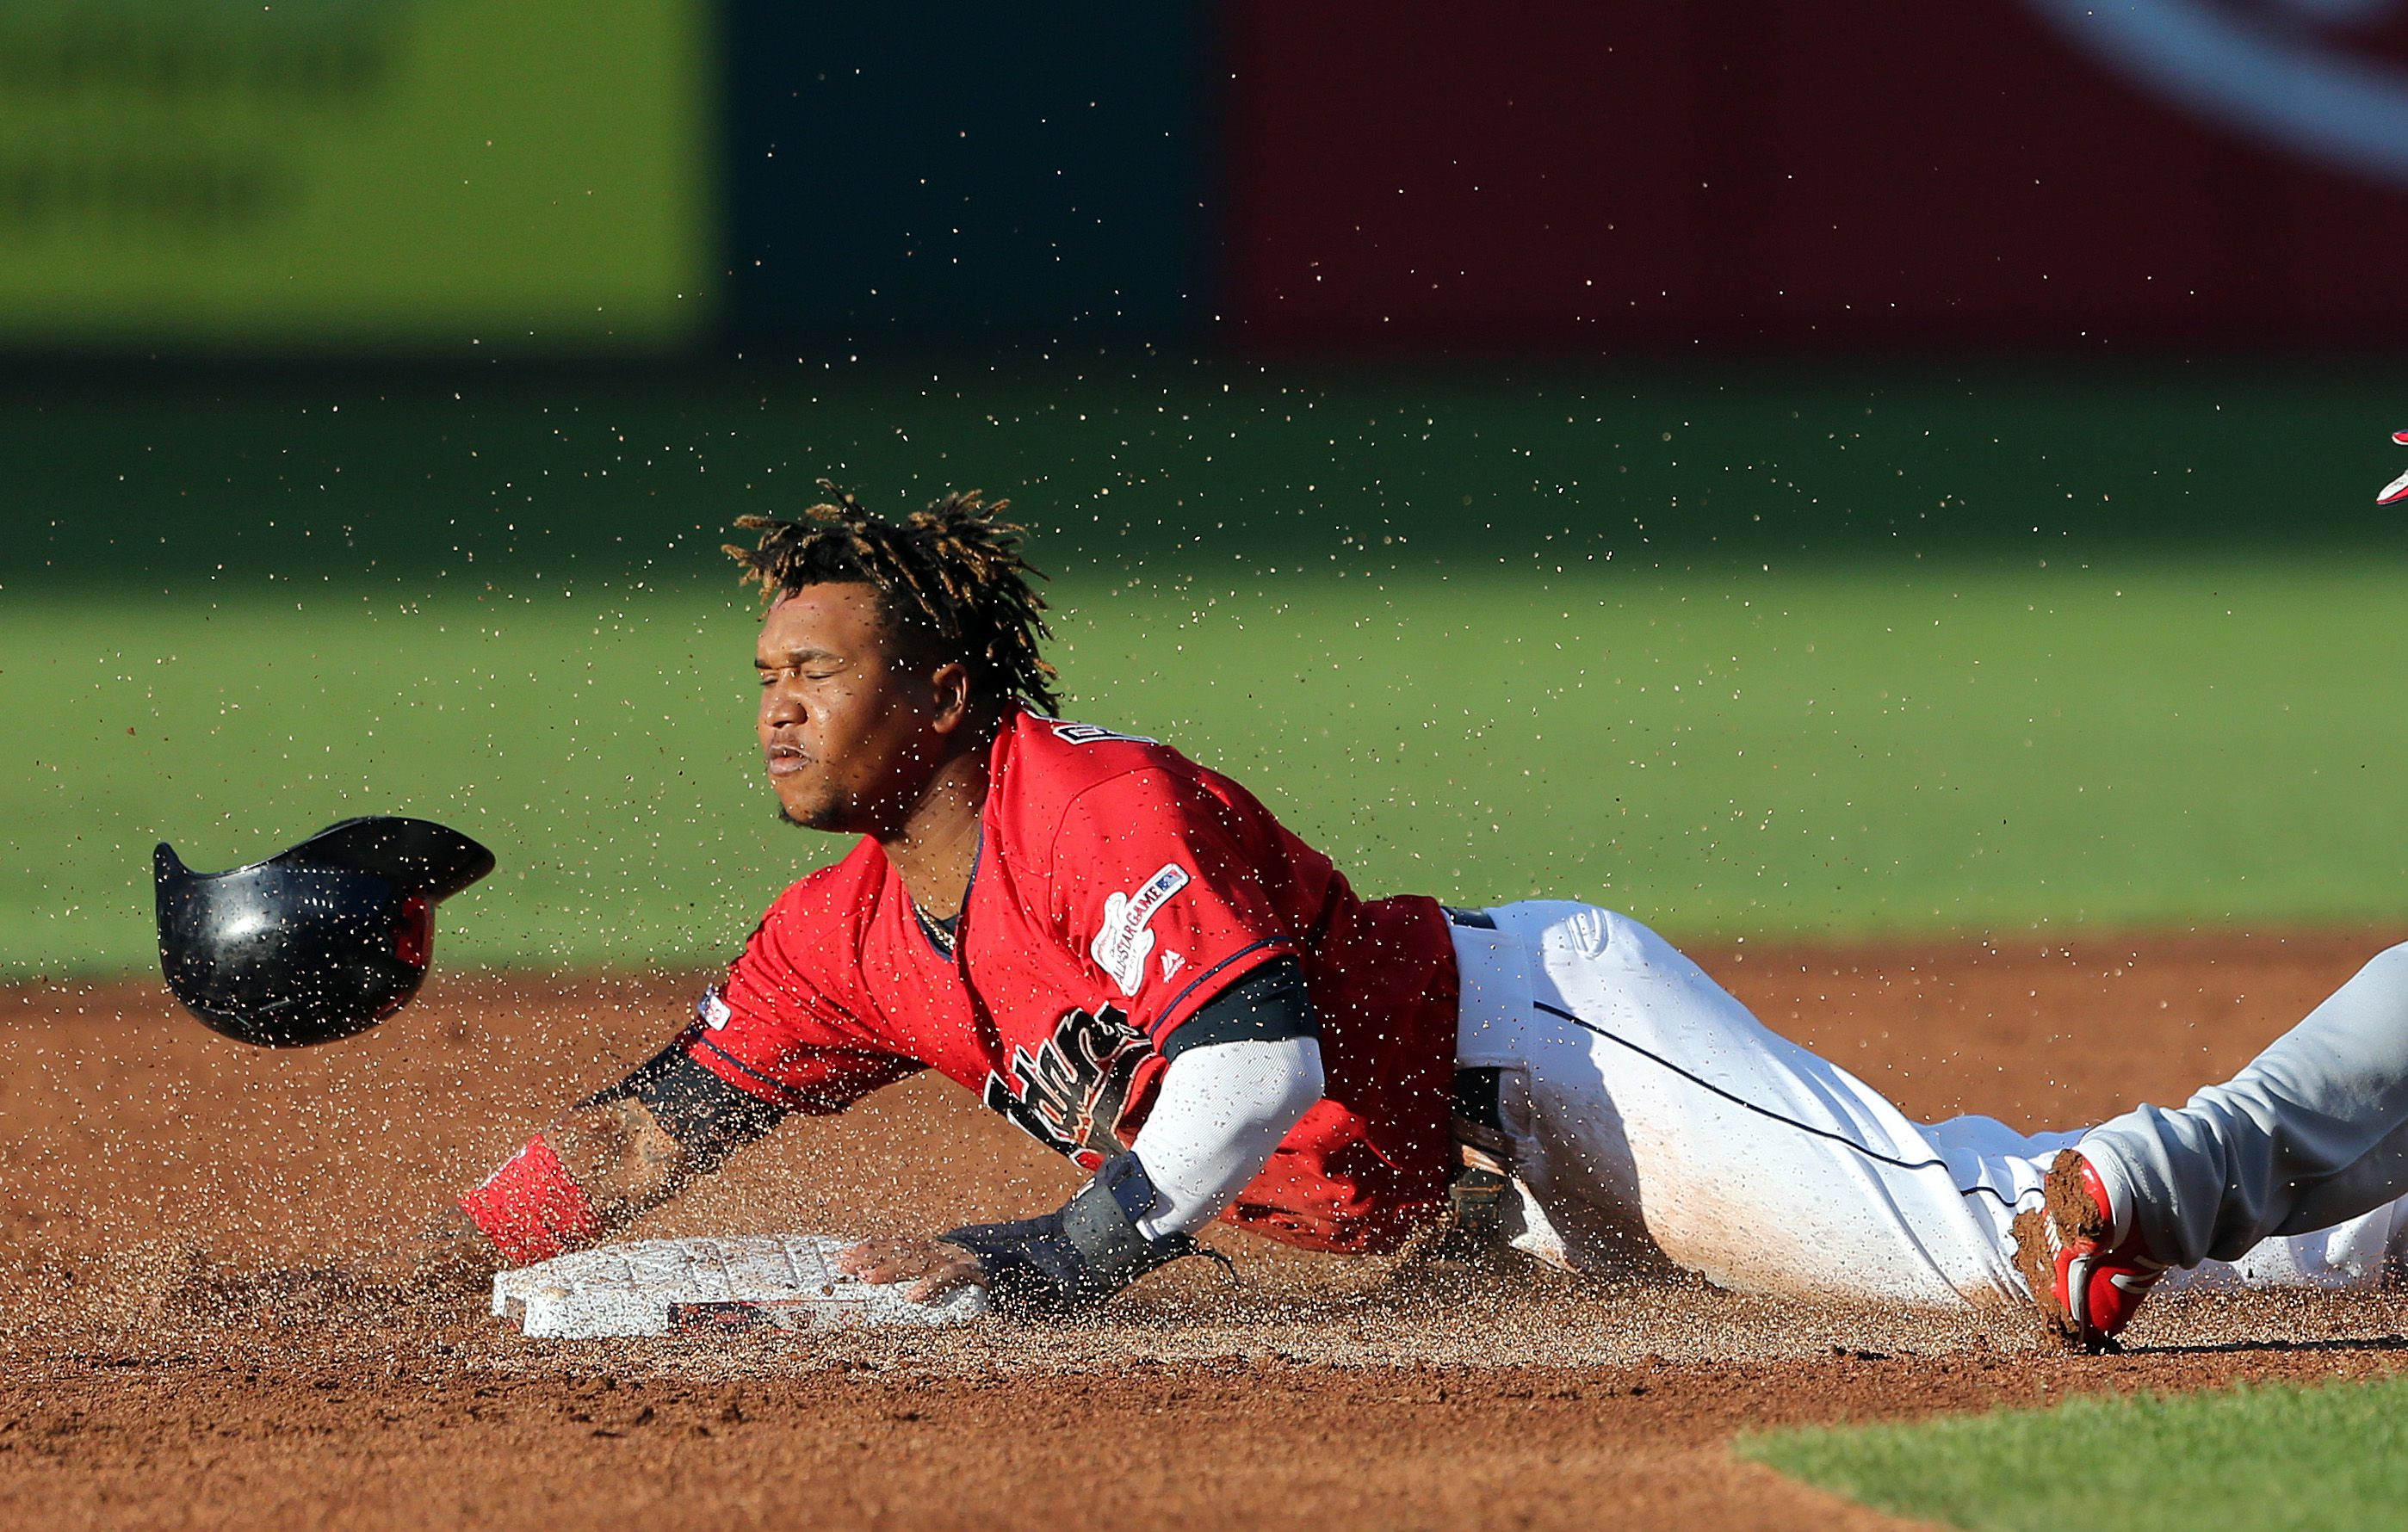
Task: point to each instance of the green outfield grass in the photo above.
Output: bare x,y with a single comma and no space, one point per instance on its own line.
2330,1459
1849,747
1200,472
1744,651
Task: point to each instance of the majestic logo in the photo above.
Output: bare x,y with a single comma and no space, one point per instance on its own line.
1069,1094
1088,734
1171,964
710,1011
1122,943
2304,74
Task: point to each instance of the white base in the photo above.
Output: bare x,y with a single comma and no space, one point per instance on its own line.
748,1281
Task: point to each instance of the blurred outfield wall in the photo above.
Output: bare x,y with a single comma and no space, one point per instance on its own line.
2085,177
339,179
356,177
709,180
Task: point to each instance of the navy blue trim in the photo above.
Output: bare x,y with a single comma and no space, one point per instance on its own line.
790,1099
1271,1004
1745,1104
953,928
1171,1011
708,1115
933,929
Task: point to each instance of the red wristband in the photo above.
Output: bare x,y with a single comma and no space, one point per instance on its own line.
531,1209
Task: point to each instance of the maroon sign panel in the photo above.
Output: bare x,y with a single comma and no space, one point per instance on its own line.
1572,178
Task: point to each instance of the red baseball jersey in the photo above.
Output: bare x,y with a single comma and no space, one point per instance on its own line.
1119,887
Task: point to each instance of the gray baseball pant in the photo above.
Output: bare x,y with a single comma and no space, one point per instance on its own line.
2312,1133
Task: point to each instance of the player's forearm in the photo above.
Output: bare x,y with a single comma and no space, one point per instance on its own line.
1243,1070
613,1157
595,1170
1218,1117
1221,1112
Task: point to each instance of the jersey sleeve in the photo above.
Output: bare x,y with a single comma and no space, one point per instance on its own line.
769,1030
1159,889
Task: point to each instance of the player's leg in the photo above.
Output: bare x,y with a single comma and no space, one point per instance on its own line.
1654,1118
2307,1138
1651,1113
2311,1136
2361,1252
2312,1133
2354,1253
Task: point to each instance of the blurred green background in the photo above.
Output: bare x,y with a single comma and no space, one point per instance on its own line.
1743,649
378,382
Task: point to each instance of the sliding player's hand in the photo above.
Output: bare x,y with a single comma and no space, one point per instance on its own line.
934,1268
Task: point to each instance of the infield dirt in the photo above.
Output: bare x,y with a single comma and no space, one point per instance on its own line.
195,1232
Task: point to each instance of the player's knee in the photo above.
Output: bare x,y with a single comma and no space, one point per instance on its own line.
2382,985
2389,966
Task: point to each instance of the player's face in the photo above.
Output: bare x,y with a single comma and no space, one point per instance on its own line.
852,729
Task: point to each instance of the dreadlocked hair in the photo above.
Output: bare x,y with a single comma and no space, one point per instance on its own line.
951,573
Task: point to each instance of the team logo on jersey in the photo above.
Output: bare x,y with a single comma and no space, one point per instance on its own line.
1122,943
1067,1095
710,1011
1088,734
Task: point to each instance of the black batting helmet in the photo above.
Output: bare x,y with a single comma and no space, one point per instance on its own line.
315,943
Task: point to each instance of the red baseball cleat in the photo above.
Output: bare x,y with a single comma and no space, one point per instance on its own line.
2086,1273
2397,491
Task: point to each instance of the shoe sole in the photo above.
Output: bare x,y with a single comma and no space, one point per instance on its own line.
2066,1216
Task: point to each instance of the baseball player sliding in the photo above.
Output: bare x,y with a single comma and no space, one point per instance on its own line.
1129,957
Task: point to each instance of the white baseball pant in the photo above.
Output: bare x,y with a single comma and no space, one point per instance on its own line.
1655,1121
